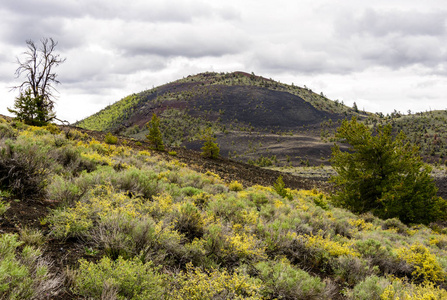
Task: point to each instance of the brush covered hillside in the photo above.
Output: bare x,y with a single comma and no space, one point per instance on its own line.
427,129
255,119
84,219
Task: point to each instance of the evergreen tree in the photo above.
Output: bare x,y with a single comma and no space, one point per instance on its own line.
28,109
210,148
280,188
154,136
384,175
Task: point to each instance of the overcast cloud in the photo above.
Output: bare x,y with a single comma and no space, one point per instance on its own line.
383,56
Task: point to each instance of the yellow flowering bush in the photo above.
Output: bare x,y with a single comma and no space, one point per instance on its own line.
401,290
334,248
161,204
96,157
361,224
101,203
144,153
244,246
426,266
235,186
197,284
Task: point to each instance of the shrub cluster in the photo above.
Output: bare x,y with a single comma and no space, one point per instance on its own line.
160,230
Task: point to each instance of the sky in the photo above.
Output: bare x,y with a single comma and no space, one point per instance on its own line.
384,55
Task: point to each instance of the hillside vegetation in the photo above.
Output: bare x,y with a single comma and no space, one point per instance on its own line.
83,219
425,129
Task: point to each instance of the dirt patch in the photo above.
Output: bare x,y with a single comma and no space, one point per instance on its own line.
293,149
23,214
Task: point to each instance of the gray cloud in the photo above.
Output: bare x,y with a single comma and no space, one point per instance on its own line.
117,46
179,11
395,39
383,23
182,40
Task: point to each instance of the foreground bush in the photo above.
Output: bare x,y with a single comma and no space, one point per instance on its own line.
284,281
122,279
25,275
23,170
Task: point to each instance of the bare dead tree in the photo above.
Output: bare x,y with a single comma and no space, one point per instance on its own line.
38,69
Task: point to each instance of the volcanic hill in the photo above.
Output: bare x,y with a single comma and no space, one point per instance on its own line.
255,119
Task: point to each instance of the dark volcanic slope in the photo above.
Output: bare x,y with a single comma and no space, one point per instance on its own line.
260,107
251,105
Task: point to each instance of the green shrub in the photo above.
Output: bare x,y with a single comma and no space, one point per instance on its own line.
74,134
138,182
350,270
284,281
110,139
120,236
6,131
280,188
64,190
228,208
24,275
3,207
321,202
24,170
122,279
53,128
190,191
189,221
371,288
32,237
381,256
396,224
71,160
259,199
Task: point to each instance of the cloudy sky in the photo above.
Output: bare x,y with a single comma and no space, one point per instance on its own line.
381,54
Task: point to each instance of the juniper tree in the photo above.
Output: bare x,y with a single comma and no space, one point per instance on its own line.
384,175
210,148
154,136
